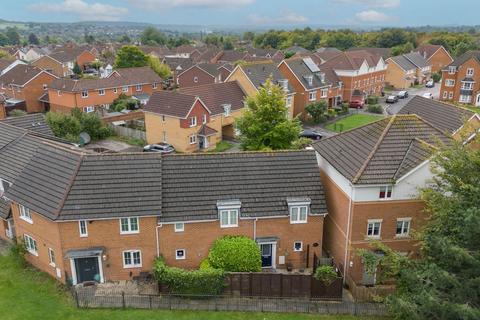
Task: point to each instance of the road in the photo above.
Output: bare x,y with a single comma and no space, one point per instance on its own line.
395,107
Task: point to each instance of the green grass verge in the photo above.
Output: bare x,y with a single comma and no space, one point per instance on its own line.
222,146
351,122
28,294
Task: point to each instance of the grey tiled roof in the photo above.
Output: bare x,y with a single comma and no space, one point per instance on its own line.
403,63
19,75
383,151
417,59
258,73
301,71
446,117
34,122
192,184
465,57
170,103
5,208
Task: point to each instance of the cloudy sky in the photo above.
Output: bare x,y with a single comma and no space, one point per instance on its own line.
248,12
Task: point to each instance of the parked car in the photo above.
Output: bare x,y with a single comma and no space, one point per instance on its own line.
402,94
427,95
392,99
430,84
164,148
311,135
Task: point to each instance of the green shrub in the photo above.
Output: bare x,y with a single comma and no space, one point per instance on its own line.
331,113
123,102
317,111
63,125
195,282
205,265
235,254
301,143
375,108
17,113
372,100
436,77
326,274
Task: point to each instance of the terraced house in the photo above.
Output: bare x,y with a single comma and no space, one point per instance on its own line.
91,217
196,118
372,177
407,70
62,61
461,79
91,94
311,83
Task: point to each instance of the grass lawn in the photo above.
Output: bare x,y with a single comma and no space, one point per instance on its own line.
222,146
28,294
353,121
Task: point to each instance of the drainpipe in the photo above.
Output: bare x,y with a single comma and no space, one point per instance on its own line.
158,239
255,229
352,194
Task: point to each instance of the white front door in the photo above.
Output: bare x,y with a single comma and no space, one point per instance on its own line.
477,102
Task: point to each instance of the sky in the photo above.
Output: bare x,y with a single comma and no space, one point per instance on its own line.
249,12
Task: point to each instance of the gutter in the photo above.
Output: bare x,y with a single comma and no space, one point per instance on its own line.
157,236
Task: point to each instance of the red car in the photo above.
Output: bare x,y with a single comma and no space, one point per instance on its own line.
357,102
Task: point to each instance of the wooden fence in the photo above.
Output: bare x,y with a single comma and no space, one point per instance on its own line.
363,293
129,132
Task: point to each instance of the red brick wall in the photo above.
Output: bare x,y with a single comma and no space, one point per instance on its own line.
186,79
439,60
198,111
377,85
458,77
85,58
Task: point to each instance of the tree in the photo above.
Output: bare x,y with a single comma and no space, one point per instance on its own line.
3,40
124,39
248,36
152,36
162,69
130,56
228,44
76,69
445,282
89,38
13,36
317,111
96,64
265,124
6,55
33,39
235,254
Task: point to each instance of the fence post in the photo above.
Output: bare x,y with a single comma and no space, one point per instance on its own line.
76,298
123,299
150,300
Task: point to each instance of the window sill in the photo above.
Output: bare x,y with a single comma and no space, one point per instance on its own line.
132,266
179,258
26,220
129,232
229,226
33,253
52,265
84,236
399,237
373,238
298,222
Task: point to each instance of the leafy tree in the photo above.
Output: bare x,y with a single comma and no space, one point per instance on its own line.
445,282
130,56
124,102
317,111
13,36
248,36
152,36
235,254
76,69
124,39
89,38
177,42
96,64
5,54
162,69
33,39
228,44
3,40
402,49
265,124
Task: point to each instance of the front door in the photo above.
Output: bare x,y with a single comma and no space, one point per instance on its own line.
267,255
87,269
478,100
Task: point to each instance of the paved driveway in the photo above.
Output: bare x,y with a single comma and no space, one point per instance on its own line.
395,107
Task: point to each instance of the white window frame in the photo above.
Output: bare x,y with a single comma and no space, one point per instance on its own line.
450,95
445,94
59,93
288,101
388,189
51,257
138,87
125,89
195,79
373,222
294,247
227,109
452,70
230,218
25,213
132,263
298,219
101,92
182,257
193,139
154,85
31,244
465,98
193,122
403,221
312,95
179,227
467,85
129,224
323,93
204,118
470,72
85,94
88,109
449,82
114,90
83,234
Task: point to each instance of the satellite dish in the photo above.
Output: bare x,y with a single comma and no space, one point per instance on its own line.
84,138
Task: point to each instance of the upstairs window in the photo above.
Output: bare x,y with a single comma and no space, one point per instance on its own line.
114,90
138,87
323,93
374,228
125,89
385,192
466,85
82,228
298,214
227,108
154,85
470,72
193,121
449,82
25,213
204,118
129,225
403,227
179,227
85,94
30,244
229,218
312,95
101,92
452,69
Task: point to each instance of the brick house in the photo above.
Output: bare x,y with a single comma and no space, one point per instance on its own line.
194,118
461,79
62,61
25,85
311,83
359,70
92,94
203,73
407,70
371,177
436,55
252,77
77,234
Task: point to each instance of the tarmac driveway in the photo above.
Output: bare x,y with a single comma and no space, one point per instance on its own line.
395,107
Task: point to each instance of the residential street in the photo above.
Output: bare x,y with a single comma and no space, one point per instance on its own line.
394,108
